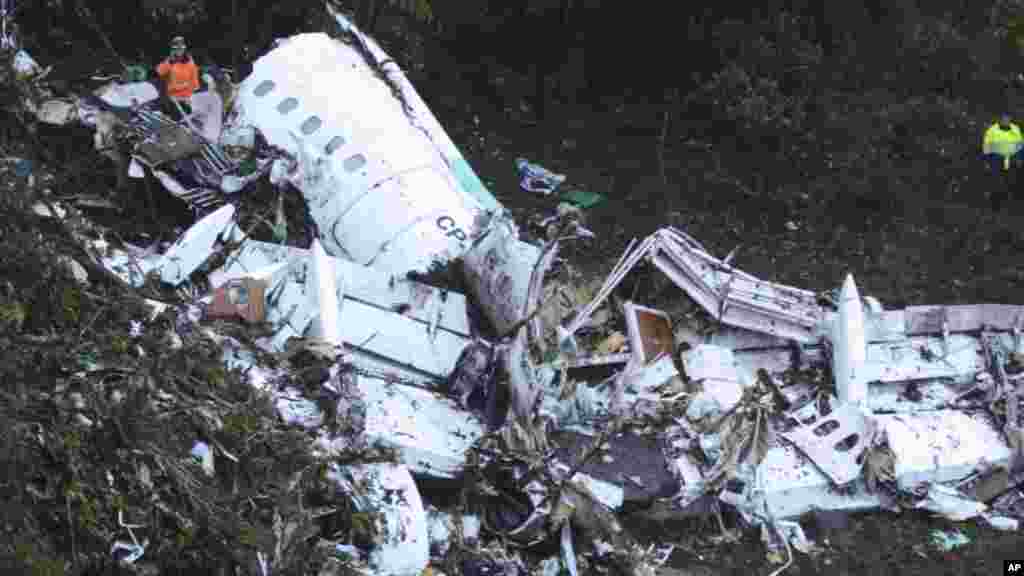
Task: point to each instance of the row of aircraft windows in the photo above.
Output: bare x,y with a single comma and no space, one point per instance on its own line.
310,125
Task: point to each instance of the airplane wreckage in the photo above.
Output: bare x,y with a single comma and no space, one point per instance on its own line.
777,403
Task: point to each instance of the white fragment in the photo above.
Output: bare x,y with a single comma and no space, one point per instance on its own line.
202,452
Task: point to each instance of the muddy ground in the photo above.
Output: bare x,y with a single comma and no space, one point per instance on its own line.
913,245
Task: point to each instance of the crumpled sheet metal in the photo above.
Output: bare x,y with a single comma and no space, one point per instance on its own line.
57,112
950,503
196,245
934,447
208,114
428,338
378,188
367,285
942,446
793,485
648,377
128,95
963,318
431,434
364,328
902,361
500,270
388,494
735,297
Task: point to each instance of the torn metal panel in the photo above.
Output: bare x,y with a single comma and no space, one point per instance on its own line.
499,269
836,443
886,326
430,432
369,286
196,245
129,95
932,447
942,446
400,339
793,485
731,295
650,332
379,189
965,318
921,358
208,112
364,328
504,275
170,142
950,503
912,396
387,496
57,112
651,376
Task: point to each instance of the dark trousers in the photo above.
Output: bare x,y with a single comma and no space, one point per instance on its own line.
995,162
1003,180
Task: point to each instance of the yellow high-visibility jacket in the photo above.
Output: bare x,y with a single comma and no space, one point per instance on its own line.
1005,143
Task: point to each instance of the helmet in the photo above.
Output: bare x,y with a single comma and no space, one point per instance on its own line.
178,42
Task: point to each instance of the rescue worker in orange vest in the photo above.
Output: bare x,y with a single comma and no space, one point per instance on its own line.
180,76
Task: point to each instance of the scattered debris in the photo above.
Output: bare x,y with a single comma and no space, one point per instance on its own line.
947,540
536,178
357,380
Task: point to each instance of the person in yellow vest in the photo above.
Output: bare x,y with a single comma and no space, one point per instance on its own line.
1002,144
180,76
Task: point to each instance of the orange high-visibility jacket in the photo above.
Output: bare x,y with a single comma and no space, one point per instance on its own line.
180,78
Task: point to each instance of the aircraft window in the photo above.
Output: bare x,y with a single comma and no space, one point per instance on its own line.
354,162
310,125
287,105
334,144
263,88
